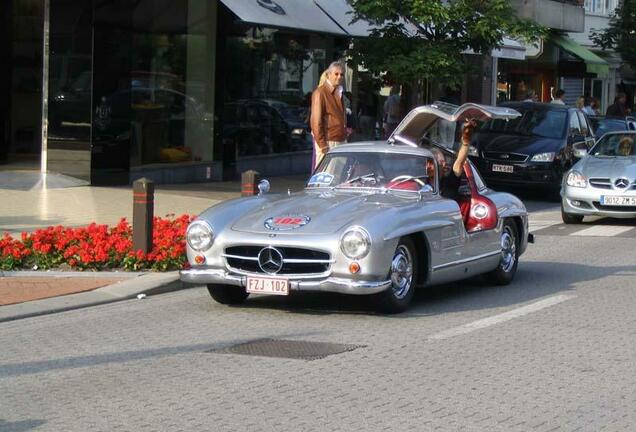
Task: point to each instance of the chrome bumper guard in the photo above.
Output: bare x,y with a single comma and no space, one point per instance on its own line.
330,284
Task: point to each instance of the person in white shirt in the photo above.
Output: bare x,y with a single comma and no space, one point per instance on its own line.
587,107
558,97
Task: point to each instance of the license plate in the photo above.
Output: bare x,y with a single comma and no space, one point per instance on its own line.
502,168
618,200
267,286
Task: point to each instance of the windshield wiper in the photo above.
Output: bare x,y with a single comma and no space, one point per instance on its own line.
358,178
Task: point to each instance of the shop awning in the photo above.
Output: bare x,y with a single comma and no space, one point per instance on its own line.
341,12
593,63
296,14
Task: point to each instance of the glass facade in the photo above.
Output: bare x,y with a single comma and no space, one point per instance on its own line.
264,82
21,82
131,87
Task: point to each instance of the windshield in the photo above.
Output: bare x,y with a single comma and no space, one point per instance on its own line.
537,122
615,145
375,170
602,126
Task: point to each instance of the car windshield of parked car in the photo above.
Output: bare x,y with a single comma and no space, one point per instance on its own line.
374,170
615,145
603,125
535,122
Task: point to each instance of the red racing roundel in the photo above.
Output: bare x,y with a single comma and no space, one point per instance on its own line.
286,222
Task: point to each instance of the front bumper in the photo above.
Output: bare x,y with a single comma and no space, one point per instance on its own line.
586,202
329,284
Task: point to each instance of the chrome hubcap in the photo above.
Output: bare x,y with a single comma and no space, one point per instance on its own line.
508,250
401,272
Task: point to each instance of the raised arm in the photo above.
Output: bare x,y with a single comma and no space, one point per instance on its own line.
467,134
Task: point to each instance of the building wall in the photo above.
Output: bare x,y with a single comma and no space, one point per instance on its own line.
597,17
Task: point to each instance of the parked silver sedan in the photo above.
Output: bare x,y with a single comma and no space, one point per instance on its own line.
371,221
603,182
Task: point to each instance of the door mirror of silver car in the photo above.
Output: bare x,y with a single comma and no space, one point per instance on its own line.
263,187
580,151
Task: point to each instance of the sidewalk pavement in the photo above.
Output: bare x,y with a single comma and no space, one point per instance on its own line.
31,201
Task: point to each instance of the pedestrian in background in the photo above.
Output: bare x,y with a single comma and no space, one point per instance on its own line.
328,119
587,106
392,111
558,97
531,96
596,106
580,103
618,108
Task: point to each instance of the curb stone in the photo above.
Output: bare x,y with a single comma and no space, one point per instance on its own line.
141,283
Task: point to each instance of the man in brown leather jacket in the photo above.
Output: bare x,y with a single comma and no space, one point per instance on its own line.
328,112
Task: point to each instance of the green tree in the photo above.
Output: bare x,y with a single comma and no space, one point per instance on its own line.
620,34
414,40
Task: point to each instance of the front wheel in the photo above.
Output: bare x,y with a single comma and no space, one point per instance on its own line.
505,272
403,274
227,294
569,218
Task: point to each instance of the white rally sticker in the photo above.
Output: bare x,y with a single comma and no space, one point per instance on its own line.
320,179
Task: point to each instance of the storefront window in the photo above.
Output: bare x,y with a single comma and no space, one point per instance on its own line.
270,76
158,106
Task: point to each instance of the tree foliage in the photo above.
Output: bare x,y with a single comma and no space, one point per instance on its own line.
620,34
425,39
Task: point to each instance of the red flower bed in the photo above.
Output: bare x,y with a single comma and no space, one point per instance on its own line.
97,247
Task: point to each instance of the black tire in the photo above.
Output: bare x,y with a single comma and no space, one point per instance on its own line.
505,271
398,297
227,294
569,218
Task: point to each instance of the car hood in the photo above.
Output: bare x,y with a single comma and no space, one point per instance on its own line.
321,212
612,167
498,142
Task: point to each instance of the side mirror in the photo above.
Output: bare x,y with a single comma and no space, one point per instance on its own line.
263,187
580,151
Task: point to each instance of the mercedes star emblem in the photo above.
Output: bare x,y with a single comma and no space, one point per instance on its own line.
270,260
621,183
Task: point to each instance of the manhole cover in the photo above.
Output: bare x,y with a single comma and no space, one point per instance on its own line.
293,349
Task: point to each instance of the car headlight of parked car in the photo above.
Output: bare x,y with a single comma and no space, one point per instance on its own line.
199,236
355,243
543,157
576,179
472,151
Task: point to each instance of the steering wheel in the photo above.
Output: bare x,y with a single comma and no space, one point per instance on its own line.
404,178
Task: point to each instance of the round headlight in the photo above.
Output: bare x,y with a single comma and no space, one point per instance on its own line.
355,243
199,236
576,179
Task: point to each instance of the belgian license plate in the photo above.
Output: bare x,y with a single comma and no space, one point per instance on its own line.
618,200
502,168
267,286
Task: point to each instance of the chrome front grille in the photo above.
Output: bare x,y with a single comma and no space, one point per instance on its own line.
506,156
606,183
601,183
296,261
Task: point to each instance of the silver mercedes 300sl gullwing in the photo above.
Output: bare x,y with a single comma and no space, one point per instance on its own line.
370,221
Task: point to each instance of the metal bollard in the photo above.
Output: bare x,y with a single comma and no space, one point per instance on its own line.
143,212
249,183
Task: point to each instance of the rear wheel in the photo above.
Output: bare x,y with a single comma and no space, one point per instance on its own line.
569,218
509,240
403,274
227,294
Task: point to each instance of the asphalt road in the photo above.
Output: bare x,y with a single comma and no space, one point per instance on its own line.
553,351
